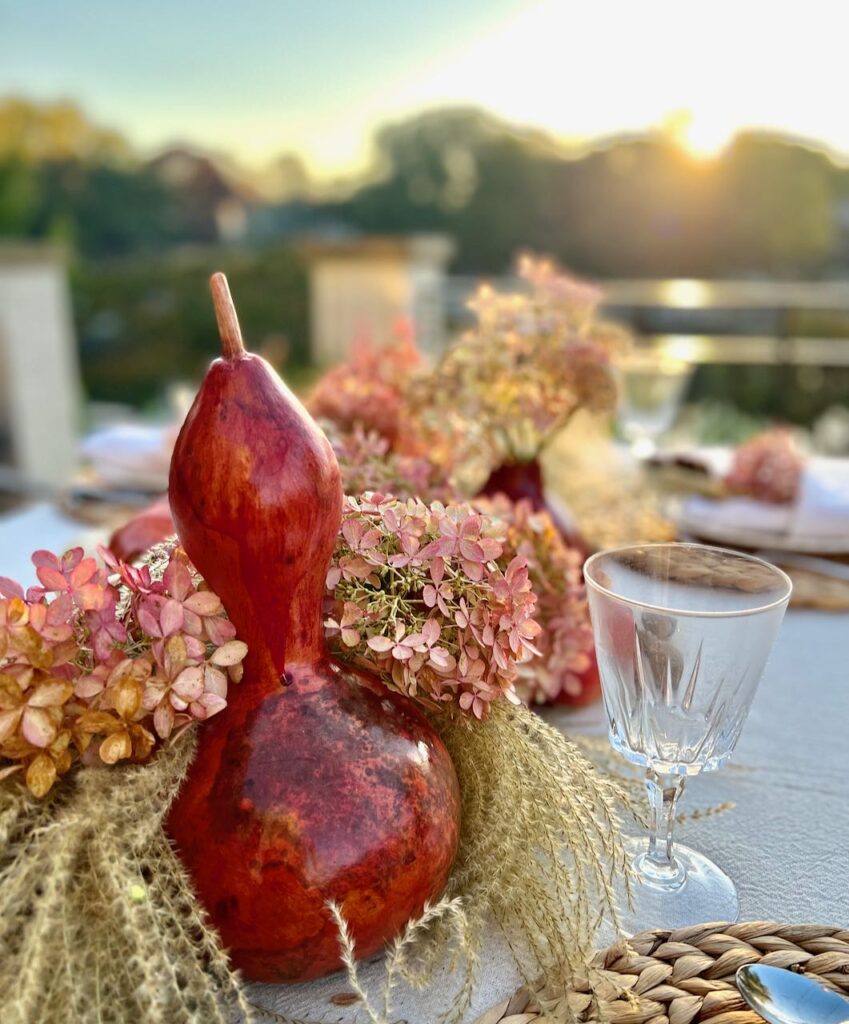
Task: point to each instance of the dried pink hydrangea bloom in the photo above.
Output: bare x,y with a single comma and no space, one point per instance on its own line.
368,463
565,642
506,386
419,594
93,672
767,467
369,390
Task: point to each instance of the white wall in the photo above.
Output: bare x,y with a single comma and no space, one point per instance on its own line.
40,387
362,288
351,298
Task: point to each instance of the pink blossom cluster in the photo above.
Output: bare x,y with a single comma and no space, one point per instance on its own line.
558,299
497,395
565,642
369,391
534,358
419,594
368,463
767,467
98,668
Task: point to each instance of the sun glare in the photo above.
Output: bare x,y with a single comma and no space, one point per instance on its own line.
701,135
697,72
705,136
580,76
683,293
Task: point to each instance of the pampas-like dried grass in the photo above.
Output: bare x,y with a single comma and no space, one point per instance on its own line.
98,922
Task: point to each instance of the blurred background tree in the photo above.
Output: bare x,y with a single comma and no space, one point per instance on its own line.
144,232
636,206
146,320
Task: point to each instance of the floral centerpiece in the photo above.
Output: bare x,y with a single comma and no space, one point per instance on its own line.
459,605
511,383
431,605
438,600
483,415
479,421
420,597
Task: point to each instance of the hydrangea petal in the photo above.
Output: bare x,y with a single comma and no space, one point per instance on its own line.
231,653
37,727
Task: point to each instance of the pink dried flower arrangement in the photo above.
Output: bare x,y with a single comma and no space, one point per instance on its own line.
767,467
418,595
98,668
534,358
565,642
369,391
368,463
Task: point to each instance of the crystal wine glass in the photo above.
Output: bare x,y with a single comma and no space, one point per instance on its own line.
651,386
682,634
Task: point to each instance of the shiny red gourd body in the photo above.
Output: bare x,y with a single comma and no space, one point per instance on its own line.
314,784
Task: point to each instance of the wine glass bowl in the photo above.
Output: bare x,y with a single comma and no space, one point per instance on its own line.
682,634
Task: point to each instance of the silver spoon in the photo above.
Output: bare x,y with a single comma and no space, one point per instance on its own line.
782,997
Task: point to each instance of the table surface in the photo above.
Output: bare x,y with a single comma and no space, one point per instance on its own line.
785,842
40,525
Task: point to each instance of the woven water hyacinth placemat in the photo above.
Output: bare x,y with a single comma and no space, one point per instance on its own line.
688,975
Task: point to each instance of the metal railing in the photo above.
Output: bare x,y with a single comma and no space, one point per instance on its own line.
735,322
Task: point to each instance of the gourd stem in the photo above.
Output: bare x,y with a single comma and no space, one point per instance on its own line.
232,346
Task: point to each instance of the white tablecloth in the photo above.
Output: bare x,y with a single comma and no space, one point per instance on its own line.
785,843
36,526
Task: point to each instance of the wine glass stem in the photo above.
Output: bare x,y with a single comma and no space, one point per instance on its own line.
663,792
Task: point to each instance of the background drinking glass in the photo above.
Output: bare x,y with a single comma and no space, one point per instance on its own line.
682,634
651,387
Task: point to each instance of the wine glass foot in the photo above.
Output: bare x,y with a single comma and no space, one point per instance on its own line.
701,892
643,448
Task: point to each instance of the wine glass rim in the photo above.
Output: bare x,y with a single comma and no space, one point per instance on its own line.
725,614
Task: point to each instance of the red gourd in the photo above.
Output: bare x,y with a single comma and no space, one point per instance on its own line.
151,526
314,784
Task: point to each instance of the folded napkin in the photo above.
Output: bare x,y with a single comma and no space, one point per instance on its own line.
822,508
818,517
131,455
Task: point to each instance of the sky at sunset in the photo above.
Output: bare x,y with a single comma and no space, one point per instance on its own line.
256,78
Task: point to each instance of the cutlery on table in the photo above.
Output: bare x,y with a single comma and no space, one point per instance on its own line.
782,997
